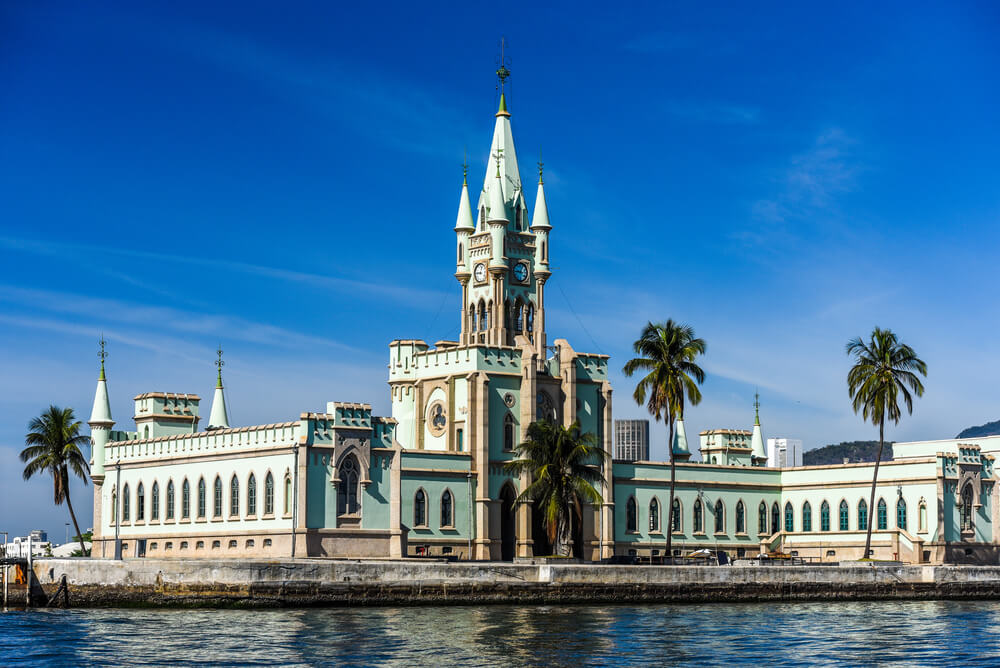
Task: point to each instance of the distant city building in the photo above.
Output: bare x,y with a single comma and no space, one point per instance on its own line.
784,452
632,440
37,542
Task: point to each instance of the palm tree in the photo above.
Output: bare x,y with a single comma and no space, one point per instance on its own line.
54,442
561,463
667,354
883,370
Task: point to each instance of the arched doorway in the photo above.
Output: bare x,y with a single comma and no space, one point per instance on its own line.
508,520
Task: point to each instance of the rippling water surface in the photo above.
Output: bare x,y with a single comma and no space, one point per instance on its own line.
912,633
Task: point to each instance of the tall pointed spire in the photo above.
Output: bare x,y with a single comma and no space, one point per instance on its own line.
540,217
100,419
465,220
758,454
219,418
681,450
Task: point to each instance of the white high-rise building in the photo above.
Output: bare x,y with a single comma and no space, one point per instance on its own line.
784,452
632,440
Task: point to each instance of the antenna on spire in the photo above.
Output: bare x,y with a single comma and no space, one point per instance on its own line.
219,363
541,165
102,354
756,406
465,167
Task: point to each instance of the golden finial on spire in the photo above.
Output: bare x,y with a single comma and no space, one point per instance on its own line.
219,363
103,354
541,165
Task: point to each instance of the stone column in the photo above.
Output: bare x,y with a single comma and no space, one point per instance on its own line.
607,547
98,517
463,312
540,278
479,448
528,404
302,493
397,544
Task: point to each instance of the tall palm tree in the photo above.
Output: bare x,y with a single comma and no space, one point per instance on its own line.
562,465
667,354
883,370
54,441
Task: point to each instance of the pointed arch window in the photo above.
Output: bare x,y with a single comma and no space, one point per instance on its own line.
114,505
762,518
154,502
675,519
140,503
654,515
420,509
518,316
720,518
882,514
185,499
252,495
922,516
234,496
447,509
901,513
218,497
202,500
170,500
824,516
125,503
741,520
472,318
966,507
288,495
807,517
531,319
862,515
775,518
347,489
508,432
699,513
789,517
484,322
269,494
844,515
631,521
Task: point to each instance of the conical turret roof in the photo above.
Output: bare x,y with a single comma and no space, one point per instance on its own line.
465,220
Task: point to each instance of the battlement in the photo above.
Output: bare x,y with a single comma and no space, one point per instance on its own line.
409,362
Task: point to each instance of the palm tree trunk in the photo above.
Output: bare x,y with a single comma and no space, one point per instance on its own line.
673,477
76,525
871,504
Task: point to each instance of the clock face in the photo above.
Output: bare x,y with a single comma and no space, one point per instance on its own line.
521,272
480,272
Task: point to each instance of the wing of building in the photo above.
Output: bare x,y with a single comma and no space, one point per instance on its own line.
430,480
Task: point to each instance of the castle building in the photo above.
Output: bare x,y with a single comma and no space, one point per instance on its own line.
431,479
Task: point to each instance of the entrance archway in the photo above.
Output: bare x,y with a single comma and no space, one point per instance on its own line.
508,518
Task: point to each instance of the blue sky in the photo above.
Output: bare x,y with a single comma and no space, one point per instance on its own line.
284,180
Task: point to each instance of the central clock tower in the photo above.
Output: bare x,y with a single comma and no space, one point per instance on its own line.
502,261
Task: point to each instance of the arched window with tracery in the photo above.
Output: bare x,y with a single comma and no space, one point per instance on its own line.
675,519
741,520
631,521
762,518
347,489
420,509
699,517
862,515
447,509
518,316
654,515
531,319
901,513
844,515
720,517
483,320
775,518
269,494
185,500
170,500
202,501
882,514
824,516
966,507
807,517
140,503
125,503
472,318
252,495
789,517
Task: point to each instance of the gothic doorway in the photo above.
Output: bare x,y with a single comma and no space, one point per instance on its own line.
508,519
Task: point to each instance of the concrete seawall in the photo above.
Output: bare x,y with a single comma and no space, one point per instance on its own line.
304,582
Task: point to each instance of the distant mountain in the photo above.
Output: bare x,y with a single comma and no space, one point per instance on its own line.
988,429
853,451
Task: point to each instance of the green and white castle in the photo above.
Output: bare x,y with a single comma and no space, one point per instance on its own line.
430,479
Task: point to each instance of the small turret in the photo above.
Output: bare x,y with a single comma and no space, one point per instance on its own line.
681,451
758,455
218,418
540,223
497,221
100,419
464,225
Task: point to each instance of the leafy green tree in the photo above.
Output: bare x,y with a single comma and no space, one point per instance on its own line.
562,464
667,354
884,369
53,445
